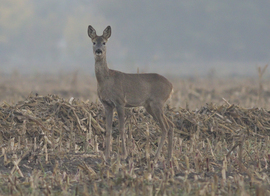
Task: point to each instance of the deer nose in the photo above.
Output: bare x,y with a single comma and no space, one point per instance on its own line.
98,52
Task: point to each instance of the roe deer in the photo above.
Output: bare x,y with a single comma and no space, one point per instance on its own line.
119,90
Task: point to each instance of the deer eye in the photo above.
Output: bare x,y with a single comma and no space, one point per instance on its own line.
104,43
94,43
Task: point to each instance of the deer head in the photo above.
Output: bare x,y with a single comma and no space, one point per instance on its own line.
99,42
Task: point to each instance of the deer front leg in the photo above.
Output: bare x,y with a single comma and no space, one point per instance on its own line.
109,116
121,116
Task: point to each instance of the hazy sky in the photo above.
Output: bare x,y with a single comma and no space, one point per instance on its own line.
177,37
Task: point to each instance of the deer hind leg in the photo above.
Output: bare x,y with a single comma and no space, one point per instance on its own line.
170,127
165,124
121,116
156,110
109,116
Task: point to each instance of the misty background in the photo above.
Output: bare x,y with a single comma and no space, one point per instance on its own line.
169,37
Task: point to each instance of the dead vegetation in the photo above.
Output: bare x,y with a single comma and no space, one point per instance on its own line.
53,146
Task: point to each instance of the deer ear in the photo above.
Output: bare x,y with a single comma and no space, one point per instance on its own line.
91,32
107,32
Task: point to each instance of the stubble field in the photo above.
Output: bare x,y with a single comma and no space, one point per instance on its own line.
52,139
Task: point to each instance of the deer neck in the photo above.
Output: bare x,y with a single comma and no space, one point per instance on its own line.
102,70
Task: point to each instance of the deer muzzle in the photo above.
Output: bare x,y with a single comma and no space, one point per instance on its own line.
98,52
